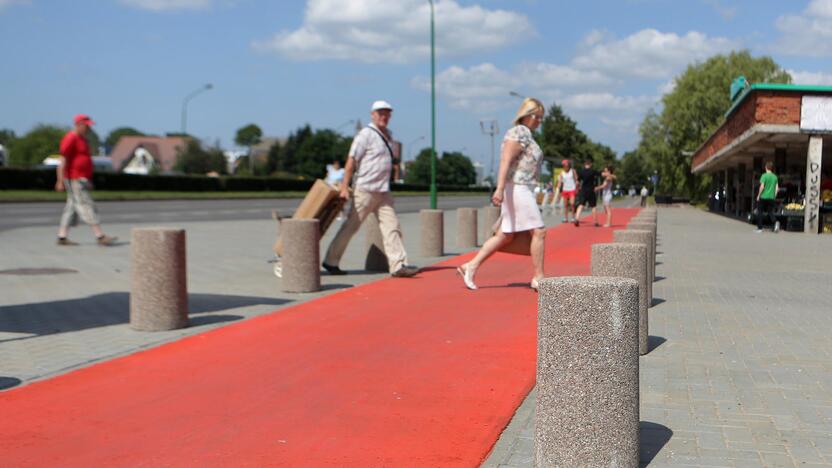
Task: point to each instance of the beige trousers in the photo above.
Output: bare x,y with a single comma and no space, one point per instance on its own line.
364,203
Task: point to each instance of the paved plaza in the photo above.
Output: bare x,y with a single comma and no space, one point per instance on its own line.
740,371
739,374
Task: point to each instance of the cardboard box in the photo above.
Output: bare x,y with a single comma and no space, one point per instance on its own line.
321,203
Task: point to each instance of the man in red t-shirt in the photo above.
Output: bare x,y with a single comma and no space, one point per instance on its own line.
75,176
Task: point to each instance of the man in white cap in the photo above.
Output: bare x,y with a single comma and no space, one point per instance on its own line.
370,161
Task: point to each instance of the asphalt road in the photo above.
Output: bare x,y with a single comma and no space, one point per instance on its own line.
16,215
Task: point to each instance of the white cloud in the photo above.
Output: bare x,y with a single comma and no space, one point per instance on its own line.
168,5
395,32
649,53
727,13
8,3
808,33
811,78
608,102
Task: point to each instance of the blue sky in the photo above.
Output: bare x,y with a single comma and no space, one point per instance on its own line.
322,62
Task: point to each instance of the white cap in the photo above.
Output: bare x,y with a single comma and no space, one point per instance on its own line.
379,105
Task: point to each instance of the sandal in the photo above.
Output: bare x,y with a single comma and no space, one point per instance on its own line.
467,277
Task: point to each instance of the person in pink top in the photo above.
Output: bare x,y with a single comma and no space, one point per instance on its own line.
74,175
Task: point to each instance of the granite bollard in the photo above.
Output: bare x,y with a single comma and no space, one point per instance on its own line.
648,226
301,255
433,232
490,215
376,259
587,410
158,279
645,238
466,228
626,260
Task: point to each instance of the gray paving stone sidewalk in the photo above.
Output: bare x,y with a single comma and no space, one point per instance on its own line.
740,373
54,322
57,321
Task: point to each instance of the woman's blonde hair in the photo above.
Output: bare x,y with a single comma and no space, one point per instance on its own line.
529,107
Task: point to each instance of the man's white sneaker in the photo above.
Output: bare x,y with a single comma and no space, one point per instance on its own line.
777,226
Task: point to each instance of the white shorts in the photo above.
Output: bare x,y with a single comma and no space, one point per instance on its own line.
519,210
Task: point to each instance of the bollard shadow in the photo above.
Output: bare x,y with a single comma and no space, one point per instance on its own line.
654,342
436,268
211,319
659,263
659,278
102,310
510,285
335,286
9,382
656,301
652,438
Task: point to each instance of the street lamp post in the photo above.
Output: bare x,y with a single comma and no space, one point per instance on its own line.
489,127
205,87
432,111
516,94
351,121
410,147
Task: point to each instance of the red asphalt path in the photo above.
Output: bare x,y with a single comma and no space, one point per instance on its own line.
418,372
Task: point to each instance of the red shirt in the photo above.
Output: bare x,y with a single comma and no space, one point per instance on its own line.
77,159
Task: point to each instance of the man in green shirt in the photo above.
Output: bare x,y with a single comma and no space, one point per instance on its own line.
766,196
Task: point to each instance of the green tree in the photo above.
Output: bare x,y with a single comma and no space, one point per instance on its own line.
319,149
194,159
560,137
692,112
632,170
33,147
249,136
452,168
7,137
455,168
418,171
115,135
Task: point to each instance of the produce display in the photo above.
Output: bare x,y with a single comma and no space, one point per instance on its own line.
794,206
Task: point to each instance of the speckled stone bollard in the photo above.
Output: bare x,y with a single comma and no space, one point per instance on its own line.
301,255
490,215
587,373
432,225
626,260
648,226
645,238
158,279
376,259
466,228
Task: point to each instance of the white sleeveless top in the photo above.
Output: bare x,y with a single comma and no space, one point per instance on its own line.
568,181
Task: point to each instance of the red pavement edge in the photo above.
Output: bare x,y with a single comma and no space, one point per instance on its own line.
398,372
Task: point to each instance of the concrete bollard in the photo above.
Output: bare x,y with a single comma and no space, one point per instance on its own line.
626,260
433,232
376,259
645,238
301,255
490,215
587,373
158,279
466,228
648,226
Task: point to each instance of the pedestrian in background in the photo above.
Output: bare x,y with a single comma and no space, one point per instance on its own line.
606,192
371,161
644,193
520,160
587,181
765,198
74,175
567,187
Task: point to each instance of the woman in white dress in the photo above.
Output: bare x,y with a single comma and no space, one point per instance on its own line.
520,160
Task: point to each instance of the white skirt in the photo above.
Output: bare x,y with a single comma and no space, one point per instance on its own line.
519,210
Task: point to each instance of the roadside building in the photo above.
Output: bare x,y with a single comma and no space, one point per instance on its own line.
790,125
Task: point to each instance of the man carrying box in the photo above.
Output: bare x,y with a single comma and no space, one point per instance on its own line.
370,160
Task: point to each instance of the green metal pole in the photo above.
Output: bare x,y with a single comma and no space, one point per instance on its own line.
432,113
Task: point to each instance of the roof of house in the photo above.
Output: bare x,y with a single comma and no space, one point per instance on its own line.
163,149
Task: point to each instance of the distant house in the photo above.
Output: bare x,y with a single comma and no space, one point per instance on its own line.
131,153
